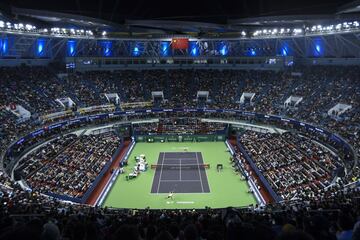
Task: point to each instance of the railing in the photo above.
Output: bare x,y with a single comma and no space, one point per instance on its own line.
64,125
101,174
110,183
258,173
257,194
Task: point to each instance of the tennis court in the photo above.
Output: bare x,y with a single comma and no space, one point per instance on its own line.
180,172
226,188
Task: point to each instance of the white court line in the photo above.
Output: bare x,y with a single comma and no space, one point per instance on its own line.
185,202
167,193
180,158
160,172
180,181
180,169
178,164
197,160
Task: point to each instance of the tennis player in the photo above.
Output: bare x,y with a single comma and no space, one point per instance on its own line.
170,195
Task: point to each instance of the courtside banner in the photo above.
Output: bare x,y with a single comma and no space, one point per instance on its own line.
180,43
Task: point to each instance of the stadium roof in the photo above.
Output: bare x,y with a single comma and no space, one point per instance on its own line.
353,7
179,17
183,10
293,20
62,19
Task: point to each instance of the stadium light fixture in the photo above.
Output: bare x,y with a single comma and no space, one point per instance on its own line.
253,52
345,26
297,31
28,27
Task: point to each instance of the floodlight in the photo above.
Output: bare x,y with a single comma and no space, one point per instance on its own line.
28,27
297,31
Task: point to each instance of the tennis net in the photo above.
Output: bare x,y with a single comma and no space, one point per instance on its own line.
180,166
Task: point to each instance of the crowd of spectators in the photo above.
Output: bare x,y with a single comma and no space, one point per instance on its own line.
300,169
30,216
43,155
296,167
321,87
178,126
71,165
31,87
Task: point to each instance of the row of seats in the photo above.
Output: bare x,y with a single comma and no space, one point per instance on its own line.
69,165
296,167
32,216
178,126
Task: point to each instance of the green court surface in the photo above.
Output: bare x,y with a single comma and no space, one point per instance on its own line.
226,188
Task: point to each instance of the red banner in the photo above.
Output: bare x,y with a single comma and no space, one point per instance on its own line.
179,43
